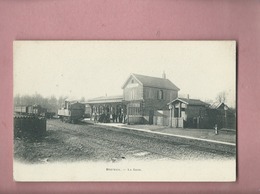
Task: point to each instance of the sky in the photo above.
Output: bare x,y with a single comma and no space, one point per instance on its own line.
92,69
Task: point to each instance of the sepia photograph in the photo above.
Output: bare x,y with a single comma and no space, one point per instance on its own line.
124,111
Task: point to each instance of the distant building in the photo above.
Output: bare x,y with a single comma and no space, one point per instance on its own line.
218,106
220,114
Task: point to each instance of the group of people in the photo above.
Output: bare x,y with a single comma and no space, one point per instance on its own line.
118,118
107,118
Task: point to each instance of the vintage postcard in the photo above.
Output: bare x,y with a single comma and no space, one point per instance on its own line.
124,111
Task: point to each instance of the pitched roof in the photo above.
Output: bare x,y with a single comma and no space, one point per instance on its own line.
161,114
217,105
155,82
72,100
189,101
106,99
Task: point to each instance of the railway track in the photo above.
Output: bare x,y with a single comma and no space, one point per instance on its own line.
122,143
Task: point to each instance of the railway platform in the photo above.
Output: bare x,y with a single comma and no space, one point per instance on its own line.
224,136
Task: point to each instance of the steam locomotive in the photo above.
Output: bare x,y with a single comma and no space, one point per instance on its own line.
72,112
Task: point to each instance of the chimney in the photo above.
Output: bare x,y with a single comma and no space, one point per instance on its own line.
164,75
188,96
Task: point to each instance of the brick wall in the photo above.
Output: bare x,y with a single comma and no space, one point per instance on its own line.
152,93
151,101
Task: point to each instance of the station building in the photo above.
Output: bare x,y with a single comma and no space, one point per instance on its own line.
142,97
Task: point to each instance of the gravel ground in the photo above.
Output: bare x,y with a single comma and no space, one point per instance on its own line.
81,142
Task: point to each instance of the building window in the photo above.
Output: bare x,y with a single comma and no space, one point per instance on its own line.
134,109
132,97
176,113
149,93
132,81
160,94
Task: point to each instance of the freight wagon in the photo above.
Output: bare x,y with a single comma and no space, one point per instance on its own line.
23,110
36,110
72,112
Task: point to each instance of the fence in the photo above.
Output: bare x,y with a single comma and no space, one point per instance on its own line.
177,122
29,126
161,120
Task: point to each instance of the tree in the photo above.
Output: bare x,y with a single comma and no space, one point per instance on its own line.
209,101
221,97
17,100
61,101
82,99
53,104
50,103
38,100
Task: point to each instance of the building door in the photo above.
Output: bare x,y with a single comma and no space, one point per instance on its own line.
151,113
176,112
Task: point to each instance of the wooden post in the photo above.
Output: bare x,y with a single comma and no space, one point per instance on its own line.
91,112
179,109
127,110
170,107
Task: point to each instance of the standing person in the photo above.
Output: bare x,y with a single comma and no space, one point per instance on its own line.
120,118
122,115
113,117
124,118
95,117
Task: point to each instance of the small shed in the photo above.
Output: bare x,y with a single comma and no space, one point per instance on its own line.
161,117
222,115
190,113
